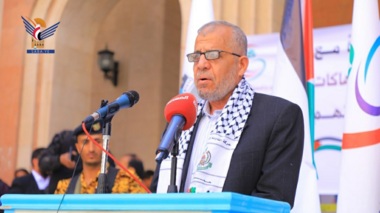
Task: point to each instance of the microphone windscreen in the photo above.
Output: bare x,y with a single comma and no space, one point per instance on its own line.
133,97
184,104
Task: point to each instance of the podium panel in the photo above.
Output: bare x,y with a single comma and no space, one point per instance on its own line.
142,203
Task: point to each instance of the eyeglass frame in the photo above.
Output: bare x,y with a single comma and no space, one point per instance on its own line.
208,51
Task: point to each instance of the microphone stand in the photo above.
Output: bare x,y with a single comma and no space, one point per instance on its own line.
172,188
102,187
163,153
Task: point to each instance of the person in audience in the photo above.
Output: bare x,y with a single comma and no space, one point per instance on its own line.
124,160
4,188
242,141
133,163
61,157
136,166
148,176
36,182
118,181
21,172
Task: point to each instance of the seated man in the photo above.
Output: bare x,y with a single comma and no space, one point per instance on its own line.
34,183
86,182
60,158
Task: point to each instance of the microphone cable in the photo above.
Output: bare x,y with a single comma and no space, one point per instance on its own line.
72,176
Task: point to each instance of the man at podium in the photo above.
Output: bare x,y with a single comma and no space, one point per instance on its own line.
242,141
117,181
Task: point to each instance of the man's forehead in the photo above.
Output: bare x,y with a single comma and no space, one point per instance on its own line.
84,136
210,42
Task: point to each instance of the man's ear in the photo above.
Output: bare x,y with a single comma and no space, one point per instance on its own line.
35,163
243,65
79,148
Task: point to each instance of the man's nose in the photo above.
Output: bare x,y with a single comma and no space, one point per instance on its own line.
91,146
203,62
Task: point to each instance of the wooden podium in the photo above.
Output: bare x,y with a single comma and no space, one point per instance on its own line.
141,203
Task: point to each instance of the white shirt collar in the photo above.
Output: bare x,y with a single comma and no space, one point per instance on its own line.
206,110
42,182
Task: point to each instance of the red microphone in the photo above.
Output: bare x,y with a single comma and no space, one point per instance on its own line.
180,112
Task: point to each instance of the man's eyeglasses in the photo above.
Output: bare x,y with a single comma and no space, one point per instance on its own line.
209,55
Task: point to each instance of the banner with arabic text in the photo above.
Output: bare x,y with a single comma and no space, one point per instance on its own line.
331,66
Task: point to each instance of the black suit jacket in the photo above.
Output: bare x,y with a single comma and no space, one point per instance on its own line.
25,185
267,159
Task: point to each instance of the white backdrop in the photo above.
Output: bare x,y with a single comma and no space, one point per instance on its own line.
331,63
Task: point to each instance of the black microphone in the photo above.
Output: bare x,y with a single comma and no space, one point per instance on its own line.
180,112
126,100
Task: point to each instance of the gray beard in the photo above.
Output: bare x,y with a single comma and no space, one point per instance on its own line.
220,91
218,94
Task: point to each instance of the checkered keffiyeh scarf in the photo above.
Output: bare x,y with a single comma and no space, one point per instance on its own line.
228,129
232,119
